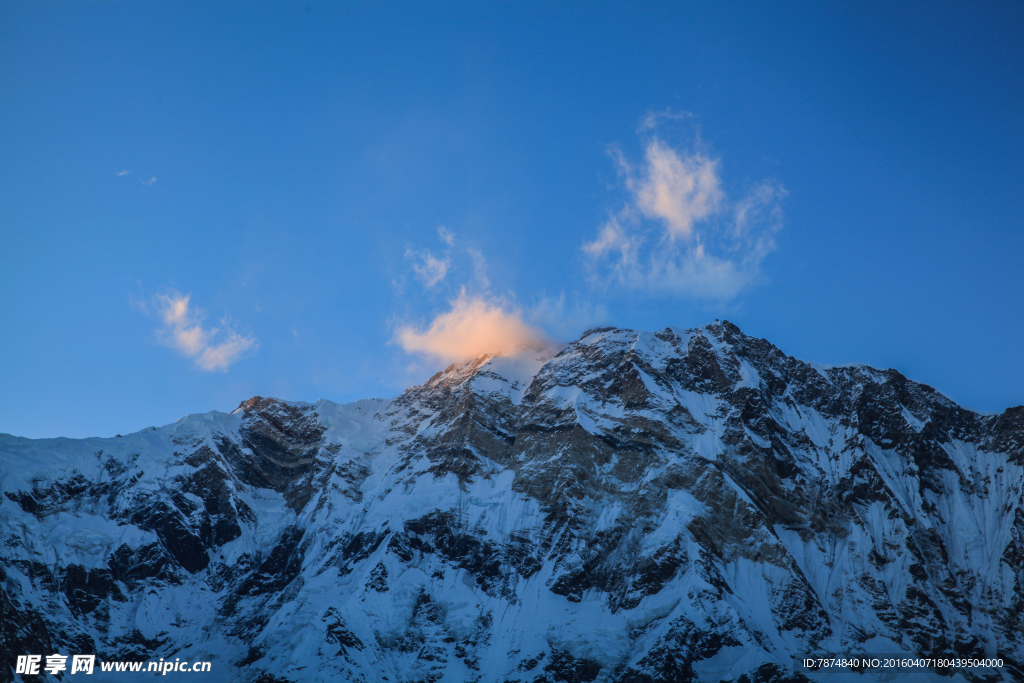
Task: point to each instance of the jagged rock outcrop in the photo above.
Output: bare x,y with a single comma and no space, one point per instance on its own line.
633,507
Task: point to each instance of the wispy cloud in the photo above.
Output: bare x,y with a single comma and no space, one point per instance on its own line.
182,328
148,182
472,327
428,268
446,235
122,173
479,267
653,119
566,317
463,262
678,232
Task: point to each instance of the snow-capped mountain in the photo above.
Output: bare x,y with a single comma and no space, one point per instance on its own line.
632,507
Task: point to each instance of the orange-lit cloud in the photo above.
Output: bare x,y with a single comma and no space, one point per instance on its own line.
473,327
211,348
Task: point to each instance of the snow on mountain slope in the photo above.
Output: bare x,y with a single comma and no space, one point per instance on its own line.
671,506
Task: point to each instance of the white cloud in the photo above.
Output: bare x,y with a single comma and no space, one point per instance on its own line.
678,232
474,326
220,356
679,191
653,119
461,261
429,269
613,238
122,173
211,348
148,182
446,235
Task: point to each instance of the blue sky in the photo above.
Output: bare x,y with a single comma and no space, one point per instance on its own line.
327,201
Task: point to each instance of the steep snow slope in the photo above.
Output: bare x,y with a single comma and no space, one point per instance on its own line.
671,506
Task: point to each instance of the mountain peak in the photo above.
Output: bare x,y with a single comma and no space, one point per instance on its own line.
256,403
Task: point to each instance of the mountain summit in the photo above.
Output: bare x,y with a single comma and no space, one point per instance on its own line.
635,507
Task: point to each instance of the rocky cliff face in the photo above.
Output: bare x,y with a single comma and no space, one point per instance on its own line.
635,507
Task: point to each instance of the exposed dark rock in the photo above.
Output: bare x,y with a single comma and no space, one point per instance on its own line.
279,569
174,532
338,634
562,667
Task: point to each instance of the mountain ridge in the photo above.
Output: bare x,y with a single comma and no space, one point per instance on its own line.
634,506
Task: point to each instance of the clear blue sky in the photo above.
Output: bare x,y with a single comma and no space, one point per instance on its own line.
289,166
